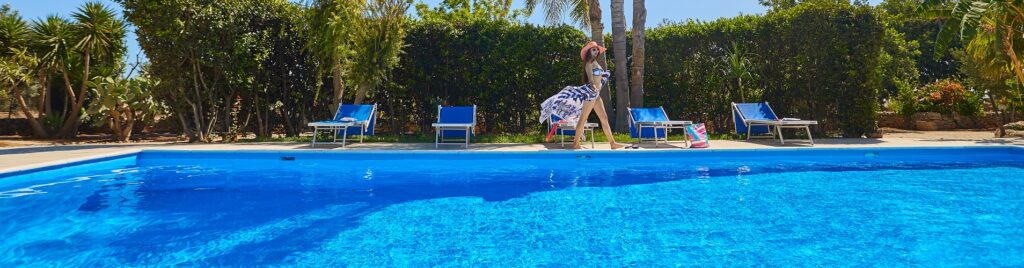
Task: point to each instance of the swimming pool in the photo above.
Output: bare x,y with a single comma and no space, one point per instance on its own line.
899,206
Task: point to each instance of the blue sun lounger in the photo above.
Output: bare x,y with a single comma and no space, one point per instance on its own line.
349,118
454,123
653,124
759,118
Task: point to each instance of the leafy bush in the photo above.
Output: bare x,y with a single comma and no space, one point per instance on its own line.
817,61
506,69
814,61
945,96
904,102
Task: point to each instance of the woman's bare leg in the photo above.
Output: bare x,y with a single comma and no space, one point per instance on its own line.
603,116
587,108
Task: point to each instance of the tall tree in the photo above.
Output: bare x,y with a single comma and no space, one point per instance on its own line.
53,37
463,10
621,63
378,41
330,30
597,35
579,12
99,33
16,64
636,92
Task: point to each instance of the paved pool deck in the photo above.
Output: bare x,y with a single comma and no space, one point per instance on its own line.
29,157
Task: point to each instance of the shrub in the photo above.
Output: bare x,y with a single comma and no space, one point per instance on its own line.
506,69
945,96
814,61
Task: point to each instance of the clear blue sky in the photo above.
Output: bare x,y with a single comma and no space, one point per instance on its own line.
657,11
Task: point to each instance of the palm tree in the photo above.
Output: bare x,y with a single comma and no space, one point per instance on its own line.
966,18
621,59
636,92
99,33
52,44
578,11
999,23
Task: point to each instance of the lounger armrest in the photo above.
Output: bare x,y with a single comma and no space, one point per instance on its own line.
781,122
573,125
331,124
761,122
664,123
798,122
451,125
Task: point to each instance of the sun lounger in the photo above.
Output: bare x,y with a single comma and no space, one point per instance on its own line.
349,118
759,118
653,124
454,123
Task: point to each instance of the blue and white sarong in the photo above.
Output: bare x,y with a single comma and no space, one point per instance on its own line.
568,103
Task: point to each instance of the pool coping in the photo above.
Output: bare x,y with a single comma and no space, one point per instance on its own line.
56,164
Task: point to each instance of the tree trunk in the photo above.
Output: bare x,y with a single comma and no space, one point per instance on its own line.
262,129
339,91
69,95
597,35
43,90
636,92
126,132
361,93
621,66
70,128
1000,130
37,128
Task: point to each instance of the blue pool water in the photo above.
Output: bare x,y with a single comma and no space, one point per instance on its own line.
885,207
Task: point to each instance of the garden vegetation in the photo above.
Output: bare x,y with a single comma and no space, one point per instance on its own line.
232,68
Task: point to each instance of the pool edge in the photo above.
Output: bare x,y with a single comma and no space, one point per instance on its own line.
50,165
56,164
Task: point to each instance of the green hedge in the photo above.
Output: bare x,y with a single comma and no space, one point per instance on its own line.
506,69
813,61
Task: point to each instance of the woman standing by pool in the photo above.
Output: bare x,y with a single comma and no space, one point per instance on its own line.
574,103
